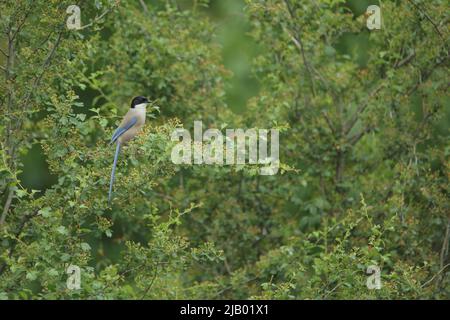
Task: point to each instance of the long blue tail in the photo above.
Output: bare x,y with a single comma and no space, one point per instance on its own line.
113,172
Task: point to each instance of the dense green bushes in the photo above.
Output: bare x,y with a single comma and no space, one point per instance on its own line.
364,147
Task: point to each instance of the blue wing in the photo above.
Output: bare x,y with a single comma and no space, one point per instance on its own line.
121,130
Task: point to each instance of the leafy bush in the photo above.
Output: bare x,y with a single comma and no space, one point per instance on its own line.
364,141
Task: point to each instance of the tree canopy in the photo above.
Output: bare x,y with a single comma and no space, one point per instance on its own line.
364,176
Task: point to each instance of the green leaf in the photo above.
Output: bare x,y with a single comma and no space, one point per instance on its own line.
62,230
45,212
85,246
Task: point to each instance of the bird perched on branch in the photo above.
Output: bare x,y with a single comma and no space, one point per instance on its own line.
130,126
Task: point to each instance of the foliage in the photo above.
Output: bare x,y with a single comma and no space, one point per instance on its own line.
364,150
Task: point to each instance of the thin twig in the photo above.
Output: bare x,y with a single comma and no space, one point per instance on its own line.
230,287
429,19
329,123
426,75
297,39
22,23
354,139
144,6
332,290
432,278
4,53
41,45
361,108
96,19
405,60
45,65
151,283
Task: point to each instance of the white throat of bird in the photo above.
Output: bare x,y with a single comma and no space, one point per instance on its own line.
141,108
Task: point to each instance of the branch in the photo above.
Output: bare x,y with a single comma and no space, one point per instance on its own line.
444,249
361,108
151,283
429,19
230,287
17,234
332,290
41,45
297,40
4,53
21,24
340,162
405,61
7,205
432,278
45,65
97,19
144,6
427,75
354,139
299,44
329,123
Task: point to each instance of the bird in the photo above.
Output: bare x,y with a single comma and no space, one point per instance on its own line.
132,123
